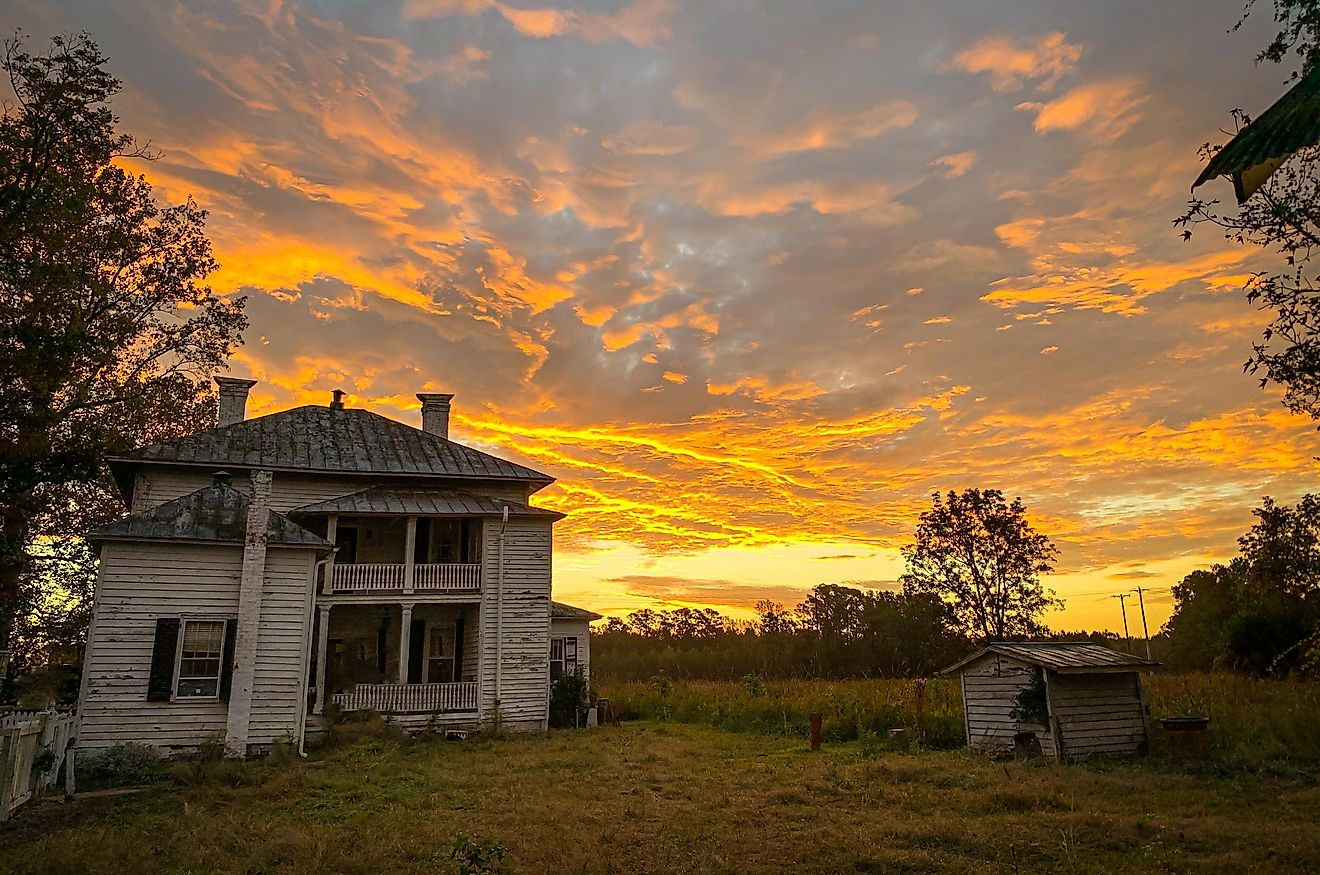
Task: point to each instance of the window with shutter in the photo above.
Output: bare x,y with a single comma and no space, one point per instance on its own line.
164,653
201,652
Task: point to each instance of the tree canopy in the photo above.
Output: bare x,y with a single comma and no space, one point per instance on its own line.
978,553
108,334
1259,613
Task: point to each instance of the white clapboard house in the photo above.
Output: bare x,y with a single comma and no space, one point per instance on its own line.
223,613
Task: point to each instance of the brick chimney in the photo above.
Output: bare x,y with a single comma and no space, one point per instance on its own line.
435,412
233,399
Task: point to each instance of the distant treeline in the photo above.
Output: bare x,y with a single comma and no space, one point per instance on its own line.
835,632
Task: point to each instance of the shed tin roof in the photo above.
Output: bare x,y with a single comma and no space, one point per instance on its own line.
1292,123
214,513
432,502
325,439
1064,657
561,611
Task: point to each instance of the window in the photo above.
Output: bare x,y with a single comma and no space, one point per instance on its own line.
201,652
563,657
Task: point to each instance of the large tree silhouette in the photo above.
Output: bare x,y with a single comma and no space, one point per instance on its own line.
977,553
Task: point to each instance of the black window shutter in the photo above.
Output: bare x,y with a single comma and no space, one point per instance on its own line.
227,665
161,682
416,650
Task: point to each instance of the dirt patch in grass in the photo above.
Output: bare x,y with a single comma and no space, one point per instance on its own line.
645,798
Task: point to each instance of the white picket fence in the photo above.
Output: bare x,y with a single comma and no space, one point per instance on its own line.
33,747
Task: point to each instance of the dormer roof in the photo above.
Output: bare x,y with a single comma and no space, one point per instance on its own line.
218,512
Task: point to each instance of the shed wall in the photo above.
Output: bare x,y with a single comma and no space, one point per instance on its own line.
1098,713
990,686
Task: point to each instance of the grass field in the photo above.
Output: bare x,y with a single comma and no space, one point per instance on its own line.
1254,723
651,797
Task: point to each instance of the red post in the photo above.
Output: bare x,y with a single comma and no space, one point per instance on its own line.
815,732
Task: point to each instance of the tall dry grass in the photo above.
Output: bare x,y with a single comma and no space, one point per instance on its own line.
1253,722
850,709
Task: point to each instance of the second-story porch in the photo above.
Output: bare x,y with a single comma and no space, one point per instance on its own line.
404,543
377,555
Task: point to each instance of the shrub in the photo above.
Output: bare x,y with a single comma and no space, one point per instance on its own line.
127,764
570,697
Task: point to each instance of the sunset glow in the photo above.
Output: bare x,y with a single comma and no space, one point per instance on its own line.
750,281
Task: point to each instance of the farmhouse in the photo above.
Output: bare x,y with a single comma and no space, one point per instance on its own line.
1079,699
274,567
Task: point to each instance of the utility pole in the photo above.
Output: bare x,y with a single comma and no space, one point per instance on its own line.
1145,631
1122,601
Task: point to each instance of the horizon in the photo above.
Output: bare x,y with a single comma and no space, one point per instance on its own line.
750,286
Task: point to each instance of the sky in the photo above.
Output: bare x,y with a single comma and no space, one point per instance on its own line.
750,279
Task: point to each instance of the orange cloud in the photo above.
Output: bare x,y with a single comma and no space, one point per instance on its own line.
652,138
1100,109
1010,64
822,131
643,22
956,164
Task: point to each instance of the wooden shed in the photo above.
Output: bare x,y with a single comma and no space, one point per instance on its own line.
1080,699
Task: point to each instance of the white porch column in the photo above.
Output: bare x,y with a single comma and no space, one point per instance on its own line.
409,553
322,651
405,641
331,531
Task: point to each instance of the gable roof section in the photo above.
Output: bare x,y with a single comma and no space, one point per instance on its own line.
323,439
561,611
215,513
430,502
1064,657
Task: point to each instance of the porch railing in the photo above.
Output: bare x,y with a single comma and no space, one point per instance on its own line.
447,576
392,577
372,577
409,698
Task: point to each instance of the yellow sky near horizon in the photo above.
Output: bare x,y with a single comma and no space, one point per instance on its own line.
751,281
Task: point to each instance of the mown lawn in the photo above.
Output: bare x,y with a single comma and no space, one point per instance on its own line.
677,798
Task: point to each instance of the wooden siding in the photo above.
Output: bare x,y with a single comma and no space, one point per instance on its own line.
990,686
1098,713
525,626
279,690
157,484
140,582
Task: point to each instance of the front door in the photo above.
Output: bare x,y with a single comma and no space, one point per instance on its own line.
439,653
